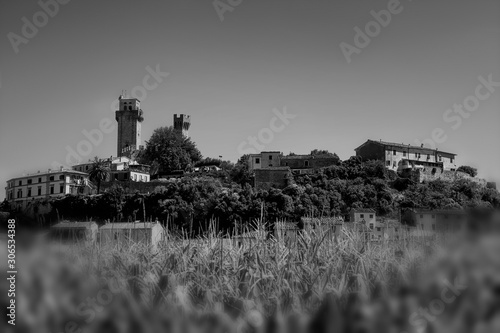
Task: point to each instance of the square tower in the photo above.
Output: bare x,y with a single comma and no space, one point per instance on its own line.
129,117
182,123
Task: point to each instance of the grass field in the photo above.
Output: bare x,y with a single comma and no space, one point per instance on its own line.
208,285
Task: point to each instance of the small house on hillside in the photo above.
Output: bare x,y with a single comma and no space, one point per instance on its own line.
75,231
147,233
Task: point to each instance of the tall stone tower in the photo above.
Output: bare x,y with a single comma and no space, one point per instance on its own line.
129,117
182,123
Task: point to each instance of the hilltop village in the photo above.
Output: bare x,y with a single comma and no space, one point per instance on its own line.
384,189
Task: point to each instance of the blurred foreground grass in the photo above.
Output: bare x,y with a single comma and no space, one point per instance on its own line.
450,284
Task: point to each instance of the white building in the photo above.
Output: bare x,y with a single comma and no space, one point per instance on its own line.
121,168
41,185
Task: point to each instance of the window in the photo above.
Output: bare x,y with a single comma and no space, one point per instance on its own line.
29,181
61,177
440,158
393,152
394,164
270,157
40,179
52,189
371,216
61,188
428,157
371,226
20,182
388,163
361,215
306,163
379,236
51,178
86,167
39,190
257,160
135,177
29,191
451,160
19,193
379,229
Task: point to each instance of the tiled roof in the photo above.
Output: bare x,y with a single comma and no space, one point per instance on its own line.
403,146
323,220
273,169
362,210
439,211
305,157
128,225
76,225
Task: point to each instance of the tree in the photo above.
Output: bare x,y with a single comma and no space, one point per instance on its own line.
468,170
171,150
99,172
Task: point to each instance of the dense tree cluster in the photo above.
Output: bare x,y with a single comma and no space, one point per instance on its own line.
190,202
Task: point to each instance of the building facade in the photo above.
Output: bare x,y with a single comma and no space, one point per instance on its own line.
430,221
129,117
264,160
399,157
41,185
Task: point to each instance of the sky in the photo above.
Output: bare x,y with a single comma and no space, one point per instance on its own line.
234,65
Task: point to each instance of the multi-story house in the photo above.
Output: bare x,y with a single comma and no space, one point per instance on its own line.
398,157
41,185
264,160
430,221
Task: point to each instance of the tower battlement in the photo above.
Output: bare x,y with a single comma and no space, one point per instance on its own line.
182,122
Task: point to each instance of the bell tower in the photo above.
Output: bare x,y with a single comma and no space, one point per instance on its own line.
182,123
129,117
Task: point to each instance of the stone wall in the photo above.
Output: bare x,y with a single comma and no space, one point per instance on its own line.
430,174
275,177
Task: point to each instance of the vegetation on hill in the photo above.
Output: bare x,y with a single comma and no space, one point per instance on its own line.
189,202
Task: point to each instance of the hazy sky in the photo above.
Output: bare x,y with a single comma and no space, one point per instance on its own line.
229,75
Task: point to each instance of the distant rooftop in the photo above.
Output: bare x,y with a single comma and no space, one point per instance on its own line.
75,225
129,225
405,146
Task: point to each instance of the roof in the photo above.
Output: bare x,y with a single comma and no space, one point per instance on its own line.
50,172
285,168
439,211
310,157
75,225
403,146
322,220
362,210
129,225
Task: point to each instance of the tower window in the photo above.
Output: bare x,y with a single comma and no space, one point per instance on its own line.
257,161
306,163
